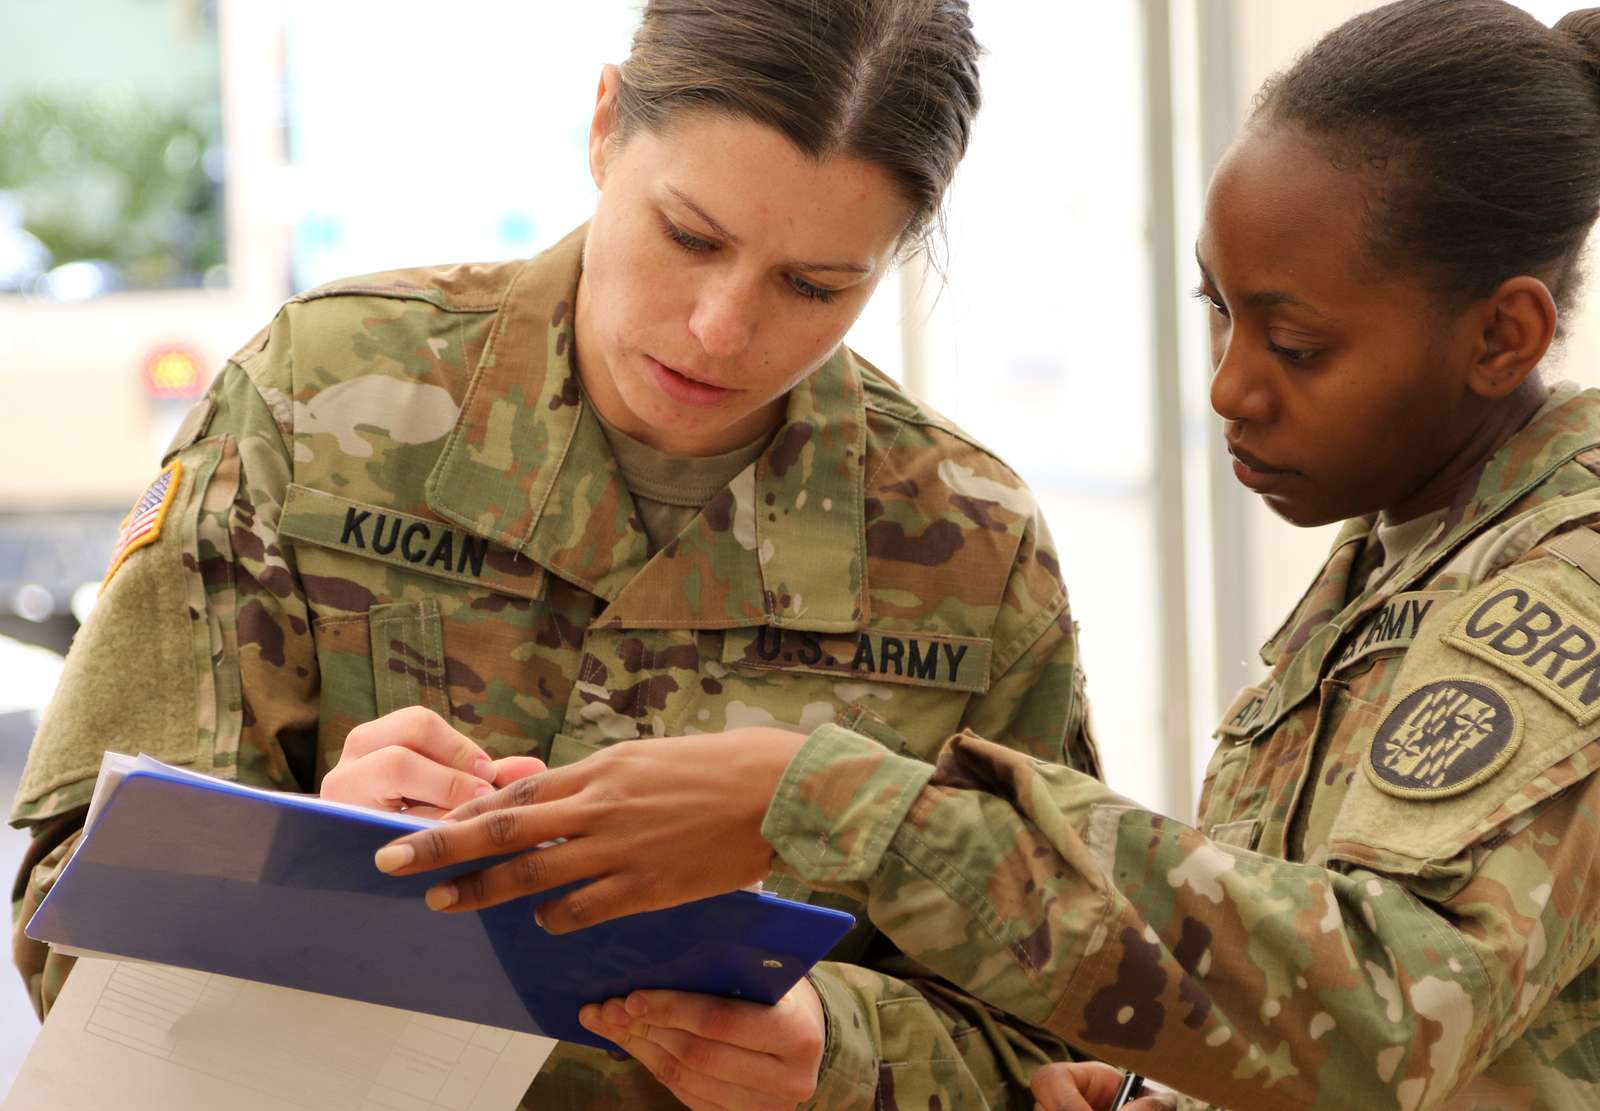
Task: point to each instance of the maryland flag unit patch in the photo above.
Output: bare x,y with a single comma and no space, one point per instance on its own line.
1444,738
143,525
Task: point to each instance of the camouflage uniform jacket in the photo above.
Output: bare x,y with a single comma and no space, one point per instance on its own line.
1393,897
396,495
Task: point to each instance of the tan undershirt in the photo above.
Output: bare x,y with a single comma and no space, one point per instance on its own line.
1399,541
670,490
1387,547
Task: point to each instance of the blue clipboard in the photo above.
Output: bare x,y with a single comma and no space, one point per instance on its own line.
277,889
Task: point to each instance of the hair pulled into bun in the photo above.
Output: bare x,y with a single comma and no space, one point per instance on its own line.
1583,25
1479,125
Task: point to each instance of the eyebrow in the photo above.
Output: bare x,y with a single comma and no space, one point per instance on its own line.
1263,299
716,226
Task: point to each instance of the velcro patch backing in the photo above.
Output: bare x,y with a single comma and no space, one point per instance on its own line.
1581,548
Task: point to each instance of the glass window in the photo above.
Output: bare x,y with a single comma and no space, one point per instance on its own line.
110,147
441,139
1039,341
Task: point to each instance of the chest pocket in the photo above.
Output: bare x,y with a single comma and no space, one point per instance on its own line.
407,644
1224,813
409,611
1243,794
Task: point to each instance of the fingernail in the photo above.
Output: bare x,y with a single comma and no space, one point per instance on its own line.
636,1006
614,1015
538,920
586,1016
392,858
483,768
442,896
482,789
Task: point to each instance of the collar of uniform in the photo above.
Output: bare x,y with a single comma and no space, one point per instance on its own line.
784,544
527,464
1326,595
811,504
1565,426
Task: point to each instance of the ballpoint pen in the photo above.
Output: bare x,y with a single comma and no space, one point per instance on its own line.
1132,1085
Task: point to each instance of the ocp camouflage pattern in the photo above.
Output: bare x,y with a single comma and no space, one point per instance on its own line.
397,495
1419,932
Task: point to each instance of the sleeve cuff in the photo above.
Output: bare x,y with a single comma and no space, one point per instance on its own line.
848,1075
839,803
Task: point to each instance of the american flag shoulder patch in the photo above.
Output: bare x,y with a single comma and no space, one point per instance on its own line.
143,525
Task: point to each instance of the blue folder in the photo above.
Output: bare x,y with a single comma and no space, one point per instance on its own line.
280,890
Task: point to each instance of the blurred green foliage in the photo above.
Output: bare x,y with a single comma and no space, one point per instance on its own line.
115,179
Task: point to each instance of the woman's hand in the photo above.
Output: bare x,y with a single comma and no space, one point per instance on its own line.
716,1054
1087,1086
413,760
652,823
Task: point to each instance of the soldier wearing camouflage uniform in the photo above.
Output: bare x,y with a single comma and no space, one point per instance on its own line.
1392,897
1325,939
400,494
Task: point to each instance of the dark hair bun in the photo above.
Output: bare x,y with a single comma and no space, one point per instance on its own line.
1583,25
1487,124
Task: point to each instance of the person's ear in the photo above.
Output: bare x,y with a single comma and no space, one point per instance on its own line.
603,127
1518,322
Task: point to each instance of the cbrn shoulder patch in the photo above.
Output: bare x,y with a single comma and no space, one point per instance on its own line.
1538,626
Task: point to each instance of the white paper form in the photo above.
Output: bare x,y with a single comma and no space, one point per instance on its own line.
145,1037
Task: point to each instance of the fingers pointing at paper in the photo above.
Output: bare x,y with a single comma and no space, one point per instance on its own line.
650,823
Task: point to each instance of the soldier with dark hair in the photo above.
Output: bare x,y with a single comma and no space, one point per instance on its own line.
631,488
1392,898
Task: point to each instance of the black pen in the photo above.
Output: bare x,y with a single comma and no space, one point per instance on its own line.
1132,1085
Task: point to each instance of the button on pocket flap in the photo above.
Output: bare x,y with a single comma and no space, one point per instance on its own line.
420,544
408,656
